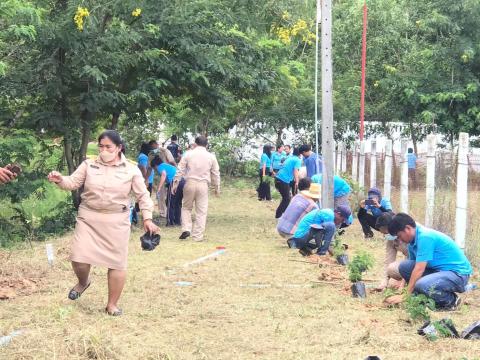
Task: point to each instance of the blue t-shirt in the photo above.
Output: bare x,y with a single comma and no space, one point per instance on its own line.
385,203
316,217
170,171
312,166
143,161
439,251
286,173
412,160
265,160
340,186
277,160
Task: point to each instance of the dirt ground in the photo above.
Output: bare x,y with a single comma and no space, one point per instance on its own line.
259,300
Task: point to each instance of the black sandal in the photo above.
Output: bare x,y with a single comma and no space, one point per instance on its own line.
117,312
74,294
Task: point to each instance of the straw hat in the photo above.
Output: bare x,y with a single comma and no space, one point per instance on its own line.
313,192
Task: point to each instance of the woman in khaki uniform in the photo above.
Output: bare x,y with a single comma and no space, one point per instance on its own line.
102,230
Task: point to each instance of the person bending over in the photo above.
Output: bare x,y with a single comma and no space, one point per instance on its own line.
300,205
319,225
371,209
287,174
341,189
436,266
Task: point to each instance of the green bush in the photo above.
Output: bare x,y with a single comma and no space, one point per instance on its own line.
30,207
360,263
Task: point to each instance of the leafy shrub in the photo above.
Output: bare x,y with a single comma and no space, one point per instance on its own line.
417,305
30,207
360,263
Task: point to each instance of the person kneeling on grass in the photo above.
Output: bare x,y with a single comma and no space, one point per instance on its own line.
300,205
436,266
371,209
392,275
319,225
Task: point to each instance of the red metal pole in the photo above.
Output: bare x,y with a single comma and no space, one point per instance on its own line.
364,64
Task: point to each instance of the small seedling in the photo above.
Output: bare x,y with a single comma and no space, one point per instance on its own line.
417,307
360,263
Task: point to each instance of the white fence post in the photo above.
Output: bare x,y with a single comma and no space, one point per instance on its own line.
462,190
344,158
430,181
355,161
373,164
338,168
404,177
387,182
361,166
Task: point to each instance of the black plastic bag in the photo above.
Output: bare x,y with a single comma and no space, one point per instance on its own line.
149,242
429,329
472,332
342,259
358,290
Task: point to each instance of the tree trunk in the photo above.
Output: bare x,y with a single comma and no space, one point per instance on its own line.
67,146
414,137
115,117
82,155
279,136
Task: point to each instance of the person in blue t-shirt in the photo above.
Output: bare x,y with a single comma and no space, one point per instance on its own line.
436,266
278,157
341,189
371,209
412,167
167,173
319,225
265,170
142,162
312,161
287,174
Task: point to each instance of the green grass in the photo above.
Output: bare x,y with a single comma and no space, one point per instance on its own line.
258,301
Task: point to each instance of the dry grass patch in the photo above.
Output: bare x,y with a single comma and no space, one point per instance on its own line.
258,300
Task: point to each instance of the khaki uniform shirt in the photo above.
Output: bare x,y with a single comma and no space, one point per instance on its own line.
107,188
198,164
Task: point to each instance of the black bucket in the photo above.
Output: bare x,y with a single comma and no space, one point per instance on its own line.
358,290
342,259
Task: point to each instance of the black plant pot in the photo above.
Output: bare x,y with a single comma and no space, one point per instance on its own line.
342,259
429,329
358,290
472,332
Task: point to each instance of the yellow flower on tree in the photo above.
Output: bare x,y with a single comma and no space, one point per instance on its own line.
136,12
81,14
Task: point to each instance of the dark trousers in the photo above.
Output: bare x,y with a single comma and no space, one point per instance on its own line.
174,204
368,221
441,286
284,190
323,237
264,188
136,209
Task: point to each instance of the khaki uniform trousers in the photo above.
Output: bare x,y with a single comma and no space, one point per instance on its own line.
162,202
195,192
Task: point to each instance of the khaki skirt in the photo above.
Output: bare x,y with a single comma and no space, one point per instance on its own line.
101,239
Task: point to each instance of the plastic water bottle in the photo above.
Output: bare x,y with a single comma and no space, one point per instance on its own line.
470,287
50,257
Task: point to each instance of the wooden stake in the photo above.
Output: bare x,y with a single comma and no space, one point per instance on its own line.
361,166
387,181
373,164
404,177
462,190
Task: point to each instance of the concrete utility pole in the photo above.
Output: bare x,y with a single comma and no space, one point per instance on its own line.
327,105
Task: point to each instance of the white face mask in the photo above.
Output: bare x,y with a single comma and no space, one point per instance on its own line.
390,237
108,156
